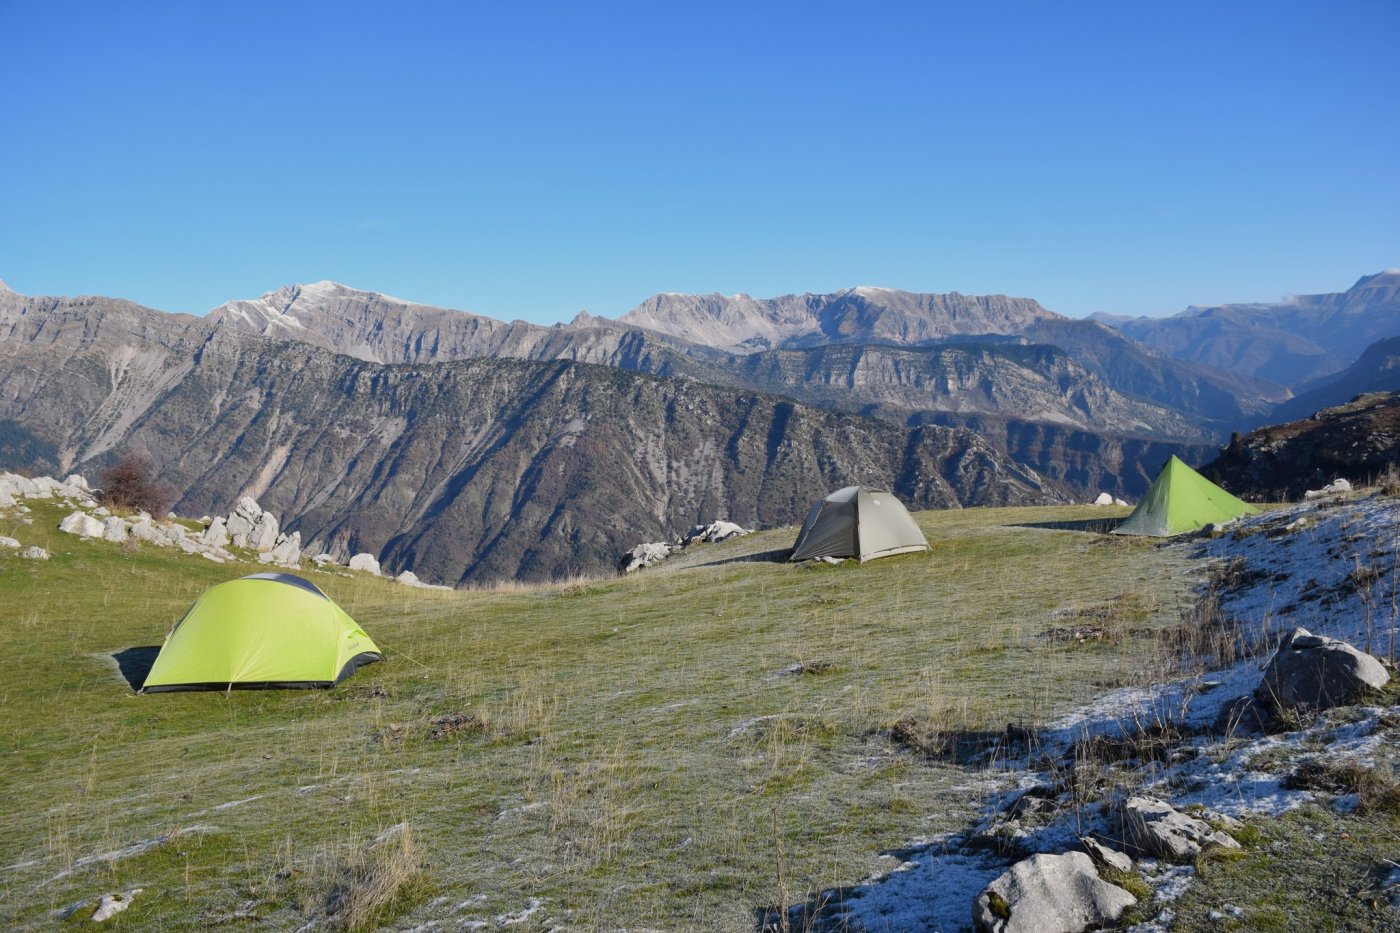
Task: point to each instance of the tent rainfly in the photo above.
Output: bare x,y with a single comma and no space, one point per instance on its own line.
1179,501
262,630
858,522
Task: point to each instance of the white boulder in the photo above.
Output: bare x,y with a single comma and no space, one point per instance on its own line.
8,542
1337,487
82,525
715,531
34,553
264,536
286,553
242,520
114,529
1049,894
113,904
1104,499
216,535
364,561
644,555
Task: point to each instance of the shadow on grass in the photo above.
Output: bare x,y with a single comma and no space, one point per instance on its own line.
777,556
135,663
1100,526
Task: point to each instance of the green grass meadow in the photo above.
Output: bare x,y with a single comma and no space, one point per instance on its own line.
639,753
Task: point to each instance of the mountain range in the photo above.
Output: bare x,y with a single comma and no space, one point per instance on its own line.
1292,342
471,449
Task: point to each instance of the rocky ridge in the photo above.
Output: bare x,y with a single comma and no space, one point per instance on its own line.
1358,441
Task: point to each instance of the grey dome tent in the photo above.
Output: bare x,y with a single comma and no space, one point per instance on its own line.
858,522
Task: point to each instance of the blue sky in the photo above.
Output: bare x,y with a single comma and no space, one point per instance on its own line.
530,160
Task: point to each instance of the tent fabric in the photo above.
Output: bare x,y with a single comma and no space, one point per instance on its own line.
859,522
1179,501
263,630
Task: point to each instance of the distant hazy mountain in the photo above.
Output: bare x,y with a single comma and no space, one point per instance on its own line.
467,470
1290,342
1377,370
1357,441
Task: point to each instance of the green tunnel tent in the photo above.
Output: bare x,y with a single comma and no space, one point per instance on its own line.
259,631
858,522
1179,501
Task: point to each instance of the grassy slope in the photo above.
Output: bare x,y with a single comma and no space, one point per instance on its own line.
604,764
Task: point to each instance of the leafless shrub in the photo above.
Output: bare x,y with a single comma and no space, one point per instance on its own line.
129,484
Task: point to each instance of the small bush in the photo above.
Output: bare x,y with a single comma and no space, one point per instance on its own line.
129,484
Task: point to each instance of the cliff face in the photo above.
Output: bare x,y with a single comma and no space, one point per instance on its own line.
1357,441
464,471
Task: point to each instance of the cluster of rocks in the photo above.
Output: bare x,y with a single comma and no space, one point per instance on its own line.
645,555
1048,892
1065,892
248,526
1106,499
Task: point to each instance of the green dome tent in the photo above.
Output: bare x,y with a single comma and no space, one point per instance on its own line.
263,630
1179,501
858,522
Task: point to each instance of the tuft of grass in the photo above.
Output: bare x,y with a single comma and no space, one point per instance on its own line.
363,887
1129,881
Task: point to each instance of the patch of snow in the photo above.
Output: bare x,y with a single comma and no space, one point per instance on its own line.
931,890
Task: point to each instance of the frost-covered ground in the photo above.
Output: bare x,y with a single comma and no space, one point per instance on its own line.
1328,566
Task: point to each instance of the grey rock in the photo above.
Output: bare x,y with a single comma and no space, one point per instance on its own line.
145,531
264,535
113,904
34,553
646,555
320,559
1049,894
286,553
1157,828
366,562
242,520
8,542
81,524
1313,672
1105,856
114,529
216,535
715,531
